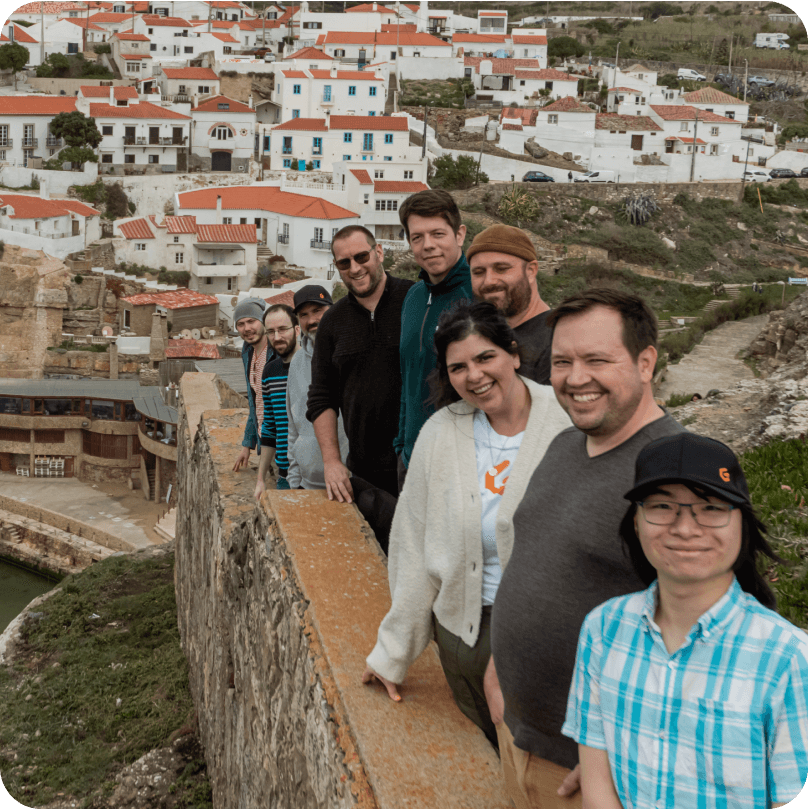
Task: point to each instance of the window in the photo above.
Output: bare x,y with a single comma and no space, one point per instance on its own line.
72,47
392,56
367,142
378,174
128,158
127,318
730,114
316,164
151,30
188,49
346,157
552,119
242,220
386,204
371,114
231,283
140,245
121,102
408,175
367,199
317,146
683,126
296,89
388,158
318,234
179,258
312,25
352,90
714,131
388,138
152,46
295,113
227,220
347,137
287,145
176,240
154,158
287,163
106,158
373,91
133,67
272,15
340,52
2,154
522,83
221,132
326,92
203,88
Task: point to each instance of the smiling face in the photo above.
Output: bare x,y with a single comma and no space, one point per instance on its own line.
361,279
594,376
482,373
251,330
686,552
281,333
505,281
309,316
435,246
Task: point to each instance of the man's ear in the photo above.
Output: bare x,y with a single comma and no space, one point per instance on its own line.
646,361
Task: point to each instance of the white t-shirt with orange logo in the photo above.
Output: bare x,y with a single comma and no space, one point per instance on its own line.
495,457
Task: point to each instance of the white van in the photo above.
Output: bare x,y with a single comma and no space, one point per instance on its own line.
596,177
692,75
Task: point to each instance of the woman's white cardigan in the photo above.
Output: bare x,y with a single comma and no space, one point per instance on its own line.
436,550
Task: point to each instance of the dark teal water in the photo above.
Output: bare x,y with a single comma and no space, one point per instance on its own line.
18,587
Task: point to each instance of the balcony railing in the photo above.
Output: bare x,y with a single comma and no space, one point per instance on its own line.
318,245
53,143
30,142
327,99
171,141
287,151
283,238
317,152
181,98
4,142
32,232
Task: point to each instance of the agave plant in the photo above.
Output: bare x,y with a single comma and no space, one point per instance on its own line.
639,208
517,206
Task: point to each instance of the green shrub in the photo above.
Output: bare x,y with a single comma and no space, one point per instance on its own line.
634,245
117,201
103,47
678,399
518,205
78,279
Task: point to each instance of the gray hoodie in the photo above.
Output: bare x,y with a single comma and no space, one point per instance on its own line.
305,458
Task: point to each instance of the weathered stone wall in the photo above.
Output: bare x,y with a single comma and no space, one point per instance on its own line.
91,363
278,605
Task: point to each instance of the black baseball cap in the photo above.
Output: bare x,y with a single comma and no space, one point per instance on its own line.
312,293
689,458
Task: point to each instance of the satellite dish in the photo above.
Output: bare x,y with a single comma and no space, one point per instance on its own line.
186,334
107,331
196,334
234,301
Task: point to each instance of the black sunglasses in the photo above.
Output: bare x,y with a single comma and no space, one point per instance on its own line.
359,258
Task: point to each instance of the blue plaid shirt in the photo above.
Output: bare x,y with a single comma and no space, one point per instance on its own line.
721,722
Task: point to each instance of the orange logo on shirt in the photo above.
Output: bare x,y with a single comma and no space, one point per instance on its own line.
490,480
724,474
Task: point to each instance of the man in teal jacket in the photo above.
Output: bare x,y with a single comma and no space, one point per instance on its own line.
431,221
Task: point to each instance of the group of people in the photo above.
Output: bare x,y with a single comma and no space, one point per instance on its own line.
587,567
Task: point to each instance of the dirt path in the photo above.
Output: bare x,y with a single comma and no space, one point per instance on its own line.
713,363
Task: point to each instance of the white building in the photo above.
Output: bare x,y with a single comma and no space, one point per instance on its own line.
223,135
711,100
25,127
295,226
58,227
64,36
513,81
112,22
369,48
51,11
323,142
29,39
180,85
635,101
492,22
94,33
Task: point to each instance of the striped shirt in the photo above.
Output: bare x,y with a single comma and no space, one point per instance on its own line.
275,424
256,369
721,722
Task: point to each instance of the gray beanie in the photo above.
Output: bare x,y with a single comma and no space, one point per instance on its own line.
250,307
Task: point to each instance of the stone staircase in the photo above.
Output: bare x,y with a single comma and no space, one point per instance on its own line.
150,476
264,254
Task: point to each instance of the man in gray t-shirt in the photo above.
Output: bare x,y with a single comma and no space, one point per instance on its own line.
567,555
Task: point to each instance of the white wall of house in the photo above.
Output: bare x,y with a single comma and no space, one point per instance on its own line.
23,137
63,37
58,181
213,131
314,97
34,48
430,67
53,235
313,23
170,88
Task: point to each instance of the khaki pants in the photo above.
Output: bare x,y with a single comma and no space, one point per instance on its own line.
530,781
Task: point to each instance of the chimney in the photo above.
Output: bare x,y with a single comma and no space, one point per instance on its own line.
218,209
157,345
164,326
43,189
250,102
334,69
112,96
113,358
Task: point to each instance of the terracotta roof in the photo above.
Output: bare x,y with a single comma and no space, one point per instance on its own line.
287,298
493,39
362,176
709,95
224,37
48,8
516,127
121,93
675,112
398,187
687,140
388,27
529,39
310,53
633,123
381,38
34,207
158,19
191,348
626,90
212,105
190,73
109,17
263,198
406,38
128,37
180,224
173,299
369,7
504,67
144,109
545,75
136,229
527,117
229,234
219,23
82,23
567,104
153,220
135,56
35,105
21,35
303,125
387,123
493,14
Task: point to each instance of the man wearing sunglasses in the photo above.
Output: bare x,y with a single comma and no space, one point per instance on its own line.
355,368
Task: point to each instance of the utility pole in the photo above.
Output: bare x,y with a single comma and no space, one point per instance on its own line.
423,149
745,164
695,138
42,31
745,78
729,66
616,54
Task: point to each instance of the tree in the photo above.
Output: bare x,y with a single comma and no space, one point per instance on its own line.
56,64
562,47
461,173
79,133
13,57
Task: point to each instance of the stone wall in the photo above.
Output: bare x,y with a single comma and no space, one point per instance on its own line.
278,606
91,363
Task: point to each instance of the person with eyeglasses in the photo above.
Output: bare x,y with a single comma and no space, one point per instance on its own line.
283,332
693,692
355,369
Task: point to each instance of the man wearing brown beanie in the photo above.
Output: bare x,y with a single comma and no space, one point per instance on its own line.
503,272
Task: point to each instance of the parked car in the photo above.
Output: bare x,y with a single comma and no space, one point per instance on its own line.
537,177
804,172
692,75
782,174
723,78
756,176
596,177
759,81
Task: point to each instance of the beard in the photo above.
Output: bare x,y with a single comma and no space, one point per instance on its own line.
286,350
514,300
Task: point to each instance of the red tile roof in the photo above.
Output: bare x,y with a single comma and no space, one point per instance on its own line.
309,53
192,348
135,56
493,14
493,39
505,67
287,298
626,90
387,123
545,75
109,17
121,93
180,224
190,73
710,95
369,7
406,38
567,104
82,23
31,207
634,123
158,19
173,299
398,187
516,127
382,38
527,117
687,140
144,109
388,28
224,37
49,8
263,198
129,37
303,125
212,105
136,229
675,112
35,105
220,23
227,234
21,35
529,39
362,176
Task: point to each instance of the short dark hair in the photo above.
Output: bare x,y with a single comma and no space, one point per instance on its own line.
639,321
457,323
432,202
281,307
349,231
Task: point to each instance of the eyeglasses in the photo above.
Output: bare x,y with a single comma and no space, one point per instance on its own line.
273,332
666,512
360,258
